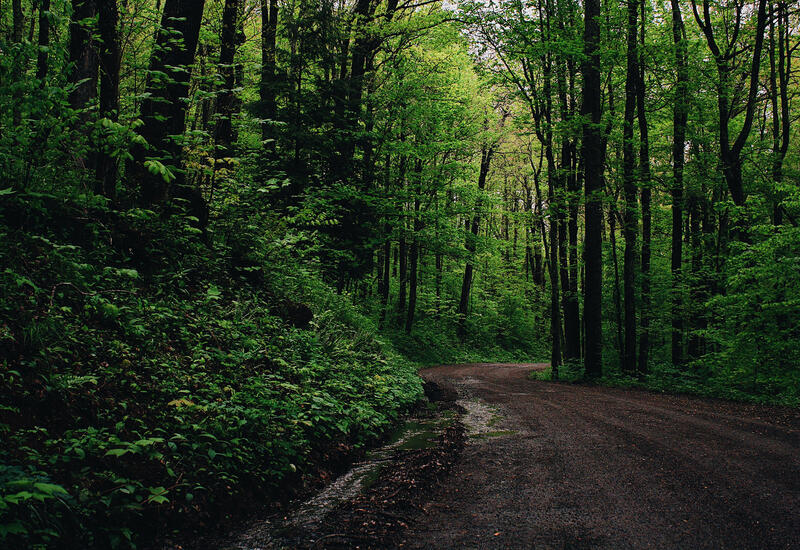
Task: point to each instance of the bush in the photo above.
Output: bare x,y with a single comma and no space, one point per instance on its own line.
149,380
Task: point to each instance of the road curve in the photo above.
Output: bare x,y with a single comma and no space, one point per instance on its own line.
592,467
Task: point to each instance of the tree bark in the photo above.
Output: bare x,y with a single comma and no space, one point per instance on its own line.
630,219
679,118
83,55
402,247
267,91
471,243
568,225
18,21
106,166
593,174
646,194
163,112
612,233
413,254
780,69
223,129
44,41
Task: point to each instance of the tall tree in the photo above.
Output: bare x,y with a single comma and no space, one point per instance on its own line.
109,61
18,28
163,111
83,55
631,219
487,152
18,21
267,91
726,54
223,129
414,252
780,64
44,40
592,151
680,114
646,197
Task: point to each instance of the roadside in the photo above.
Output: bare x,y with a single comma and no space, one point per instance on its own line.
533,464
370,504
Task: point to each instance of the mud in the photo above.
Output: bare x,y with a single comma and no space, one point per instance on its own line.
533,464
593,467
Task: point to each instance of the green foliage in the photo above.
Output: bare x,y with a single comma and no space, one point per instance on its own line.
756,328
152,383
166,359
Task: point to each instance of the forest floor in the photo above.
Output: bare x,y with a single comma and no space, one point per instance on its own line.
532,464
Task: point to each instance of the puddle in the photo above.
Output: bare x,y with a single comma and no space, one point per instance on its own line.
489,435
414,434
481,419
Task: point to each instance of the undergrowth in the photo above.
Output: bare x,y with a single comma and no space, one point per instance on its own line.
152,380
666,378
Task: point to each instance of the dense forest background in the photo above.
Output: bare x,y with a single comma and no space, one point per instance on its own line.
231,229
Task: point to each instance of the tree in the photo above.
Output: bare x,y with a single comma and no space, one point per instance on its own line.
269,26
223,129
727,57
593,186
631,220
646,194
487,152
780,64
679,118
163,111
44,41
18,23
109,65
83,54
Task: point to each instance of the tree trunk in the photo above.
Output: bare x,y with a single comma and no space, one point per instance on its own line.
402,252
780,69
471,244
646,194
572,308
106,167
44,40
630,220
413,269
18,21
568,225
612,232
267,91
679,118
570,342
83,57
223,129
593,174
695,347
551,259
163,112
17,33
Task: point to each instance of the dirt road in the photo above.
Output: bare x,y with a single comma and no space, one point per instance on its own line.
569,466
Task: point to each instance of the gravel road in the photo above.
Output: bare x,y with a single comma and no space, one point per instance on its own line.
571,466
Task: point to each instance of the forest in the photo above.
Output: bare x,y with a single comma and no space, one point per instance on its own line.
232,231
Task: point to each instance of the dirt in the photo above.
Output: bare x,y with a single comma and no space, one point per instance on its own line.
371,503
593,467
543,465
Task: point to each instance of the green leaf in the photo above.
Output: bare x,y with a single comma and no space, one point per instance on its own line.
116,452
